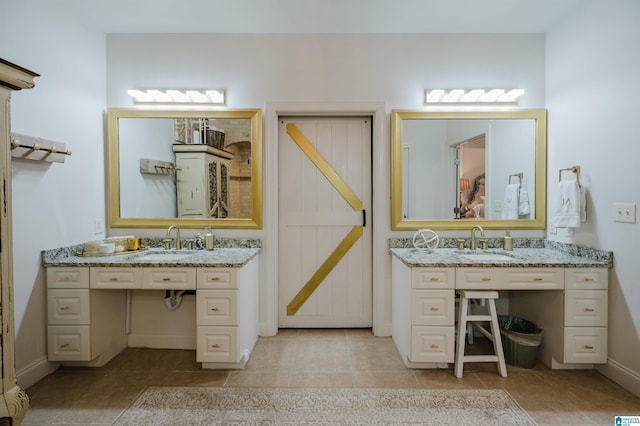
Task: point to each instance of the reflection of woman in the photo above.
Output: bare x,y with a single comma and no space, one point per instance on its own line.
474,208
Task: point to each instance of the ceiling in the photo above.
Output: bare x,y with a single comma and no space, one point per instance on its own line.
322,16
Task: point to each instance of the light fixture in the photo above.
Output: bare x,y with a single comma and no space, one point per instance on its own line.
215,97
472,96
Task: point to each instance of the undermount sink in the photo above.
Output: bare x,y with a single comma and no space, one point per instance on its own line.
154,257
490,257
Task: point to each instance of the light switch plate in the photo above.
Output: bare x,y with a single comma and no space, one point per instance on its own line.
624,212
98,226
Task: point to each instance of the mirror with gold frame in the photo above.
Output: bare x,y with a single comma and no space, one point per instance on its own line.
187,167
440,160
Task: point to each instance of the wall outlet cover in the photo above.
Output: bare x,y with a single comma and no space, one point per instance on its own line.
624,212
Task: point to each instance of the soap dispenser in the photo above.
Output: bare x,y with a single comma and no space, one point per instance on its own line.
507,243
209,239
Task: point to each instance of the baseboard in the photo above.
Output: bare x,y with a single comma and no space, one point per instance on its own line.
161,341
628,379
35,372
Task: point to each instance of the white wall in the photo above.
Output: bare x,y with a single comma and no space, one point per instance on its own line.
53,204
592,79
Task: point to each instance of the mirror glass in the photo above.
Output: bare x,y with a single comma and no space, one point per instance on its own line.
455,169
191,168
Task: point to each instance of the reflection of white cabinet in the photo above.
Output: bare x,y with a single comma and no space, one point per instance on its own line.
202,181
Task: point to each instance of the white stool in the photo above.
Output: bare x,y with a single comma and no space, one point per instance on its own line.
494,335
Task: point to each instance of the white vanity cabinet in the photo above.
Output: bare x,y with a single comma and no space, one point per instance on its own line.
202,181
423,313
226,315
83,325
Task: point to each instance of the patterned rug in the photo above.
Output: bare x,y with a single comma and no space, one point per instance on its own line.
170,405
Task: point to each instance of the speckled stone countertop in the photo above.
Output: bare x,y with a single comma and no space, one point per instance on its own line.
541,253
227,253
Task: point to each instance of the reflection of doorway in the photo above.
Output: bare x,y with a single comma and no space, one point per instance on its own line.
471,155
240,179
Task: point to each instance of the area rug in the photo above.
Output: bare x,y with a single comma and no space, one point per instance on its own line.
170,405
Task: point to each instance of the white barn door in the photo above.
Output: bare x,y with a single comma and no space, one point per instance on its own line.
324,254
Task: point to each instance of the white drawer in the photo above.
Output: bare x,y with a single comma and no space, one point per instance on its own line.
432,307
585,308
433,277
217,344
217,278
60,277
432,344
586,278
68,343
586,345
114,278
510,278
217,307
169,279
66,306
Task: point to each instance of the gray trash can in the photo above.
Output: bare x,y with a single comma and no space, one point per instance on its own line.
520,340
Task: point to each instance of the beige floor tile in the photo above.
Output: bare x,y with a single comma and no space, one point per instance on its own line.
322,334
272,355
378,354
322,355
444,379
246,379
212,378
395,380
321,380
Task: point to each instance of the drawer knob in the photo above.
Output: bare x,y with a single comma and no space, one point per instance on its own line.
215,346
215,278
486,279
215,309
434,308
537,279
588,347
434,346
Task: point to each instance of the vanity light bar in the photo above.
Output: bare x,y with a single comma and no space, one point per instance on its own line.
461,96
216,97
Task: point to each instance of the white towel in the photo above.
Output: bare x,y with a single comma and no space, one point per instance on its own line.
510,203
570,205
523,202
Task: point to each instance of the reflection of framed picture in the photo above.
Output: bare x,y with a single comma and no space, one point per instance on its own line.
180,127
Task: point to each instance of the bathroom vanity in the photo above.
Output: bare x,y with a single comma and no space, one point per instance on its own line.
87,301
563,293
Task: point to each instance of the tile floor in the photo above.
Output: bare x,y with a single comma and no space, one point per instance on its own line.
319,358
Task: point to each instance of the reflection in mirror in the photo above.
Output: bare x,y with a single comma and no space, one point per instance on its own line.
188,167
449,168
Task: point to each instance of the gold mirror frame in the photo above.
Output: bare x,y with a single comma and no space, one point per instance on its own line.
539,222
113,164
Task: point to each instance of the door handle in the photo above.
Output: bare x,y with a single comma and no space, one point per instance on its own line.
364,218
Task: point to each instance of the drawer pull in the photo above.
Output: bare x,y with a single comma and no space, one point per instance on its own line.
486,279
434,308
589,310
113,279
538,279
588,279
215,346
434,346
589,347
64,346
434,279
166,279
64,278
215,278
215,309
64,308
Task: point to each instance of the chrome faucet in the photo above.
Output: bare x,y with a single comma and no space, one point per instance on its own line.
178,242
473,236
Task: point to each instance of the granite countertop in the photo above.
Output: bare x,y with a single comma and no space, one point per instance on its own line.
542,254
230,255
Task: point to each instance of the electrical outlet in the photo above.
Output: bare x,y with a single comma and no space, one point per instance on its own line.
497,205
98,226
566,232
624,212
552,230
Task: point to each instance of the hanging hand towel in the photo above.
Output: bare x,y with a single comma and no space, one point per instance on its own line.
510,203
568,205
523,202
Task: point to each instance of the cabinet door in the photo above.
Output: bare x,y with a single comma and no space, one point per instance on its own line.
68,343
217,344
217,307
433,277
586,278
216,278
586,345
191,185
432,307
68,306
432,344
585,308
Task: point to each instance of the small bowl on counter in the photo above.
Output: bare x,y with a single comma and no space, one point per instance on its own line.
107,248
